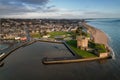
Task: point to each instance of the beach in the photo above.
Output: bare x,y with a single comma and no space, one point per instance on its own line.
98,35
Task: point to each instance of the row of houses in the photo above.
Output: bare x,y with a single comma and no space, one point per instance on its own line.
12,28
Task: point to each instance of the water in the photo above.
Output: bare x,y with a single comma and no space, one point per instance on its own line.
25,63
112,28
3,46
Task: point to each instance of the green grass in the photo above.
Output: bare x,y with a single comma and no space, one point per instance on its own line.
58,33
99,47
82,53
88,35
35,35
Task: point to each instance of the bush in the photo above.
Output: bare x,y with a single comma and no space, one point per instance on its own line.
99,47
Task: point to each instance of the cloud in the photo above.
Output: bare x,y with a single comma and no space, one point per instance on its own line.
42,9
98,14
28,9
52,9
20,7
40,2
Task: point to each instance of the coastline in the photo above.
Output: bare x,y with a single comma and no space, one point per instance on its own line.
5,45
98,35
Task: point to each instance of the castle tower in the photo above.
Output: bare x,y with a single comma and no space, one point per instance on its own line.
82,42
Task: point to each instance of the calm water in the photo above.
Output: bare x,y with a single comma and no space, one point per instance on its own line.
112,28
25,63
3,46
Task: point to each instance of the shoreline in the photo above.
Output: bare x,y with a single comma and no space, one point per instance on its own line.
9,45
98,35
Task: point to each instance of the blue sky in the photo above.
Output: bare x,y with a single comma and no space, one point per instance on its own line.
105,5
60,8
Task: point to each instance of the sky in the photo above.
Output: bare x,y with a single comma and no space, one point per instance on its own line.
70,9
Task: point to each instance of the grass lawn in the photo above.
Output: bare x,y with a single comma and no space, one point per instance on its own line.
99,47
35,35
58,33
82,53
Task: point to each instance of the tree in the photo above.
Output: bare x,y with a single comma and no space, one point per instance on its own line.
79,31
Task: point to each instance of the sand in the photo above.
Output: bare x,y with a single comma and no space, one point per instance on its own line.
98,35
